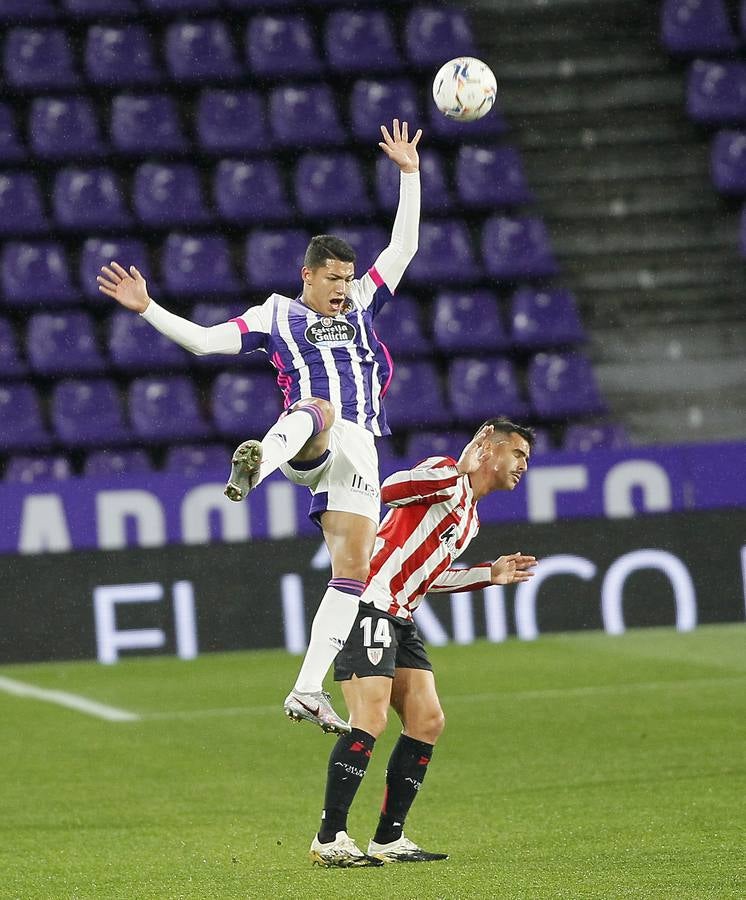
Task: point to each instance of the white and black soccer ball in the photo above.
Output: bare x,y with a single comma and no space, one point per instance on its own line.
464,89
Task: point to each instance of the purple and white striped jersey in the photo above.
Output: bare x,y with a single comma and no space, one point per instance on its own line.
338,358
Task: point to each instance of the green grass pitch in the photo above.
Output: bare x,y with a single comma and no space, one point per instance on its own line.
577,766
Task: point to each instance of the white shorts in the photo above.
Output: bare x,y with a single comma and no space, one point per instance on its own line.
345,477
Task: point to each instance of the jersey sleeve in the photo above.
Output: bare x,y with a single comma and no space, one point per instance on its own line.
255,326
198,339
470,579
430,482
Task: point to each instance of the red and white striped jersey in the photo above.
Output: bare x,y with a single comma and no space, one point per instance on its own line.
434,517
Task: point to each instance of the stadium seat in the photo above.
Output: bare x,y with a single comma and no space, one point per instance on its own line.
64,128
366,240
484,387
38,58
245,404
399,326
580,438
414,398
305,116
542,441
88,413
273,259
716,92
166,409
491,176
728,162
389,459
97,252
135,346
169,194
37,469
422,444
435,194
358,40
232,121
21,423
197,265
281,45
445,253
330,184
114,463
35,274
63,343
433,35
545,318
250,191
562,385
146,124
490,126
742,240
28,11
694,27
200,50
21,207
11,148
464,321
203,460
513,249
378,101
97,8
120,55
89,198
11,363
181,6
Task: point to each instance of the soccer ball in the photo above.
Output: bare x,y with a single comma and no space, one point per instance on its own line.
464,89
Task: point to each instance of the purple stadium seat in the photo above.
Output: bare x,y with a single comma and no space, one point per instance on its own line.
513,249
146,124
11,364
197,265
64,128
366,240
21,423
11,149
445,253
181,6
245,404
435,193
97,8
728,162
201,50
277,46
360,41
230,121
37,469
330,184
415,398
35,274
169,194
28,11
421,444
468,320
377,102
255,4
135,346
389,459
108,463
120,55
62,343
205,459
489,126
545,318
480,388
88,413
250,191
38,58
491,176
215,314
166,409
433,35
562,385
581,438
692,27
742,241
716,92
274,259
305,116
97,252
89,198
21,208
399,326
542,441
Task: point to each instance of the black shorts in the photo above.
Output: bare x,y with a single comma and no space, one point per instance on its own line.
378,644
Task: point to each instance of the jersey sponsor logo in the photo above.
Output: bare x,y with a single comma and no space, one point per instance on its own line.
328,332
361,486
375,655
449,538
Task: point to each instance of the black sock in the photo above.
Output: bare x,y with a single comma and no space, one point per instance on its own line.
347,764
404,775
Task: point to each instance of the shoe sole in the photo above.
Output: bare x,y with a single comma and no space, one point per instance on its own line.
326,727
244,465
351,863
407,859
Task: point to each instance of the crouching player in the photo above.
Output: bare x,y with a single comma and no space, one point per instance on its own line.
384,662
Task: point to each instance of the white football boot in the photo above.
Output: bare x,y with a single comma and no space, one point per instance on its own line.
342,852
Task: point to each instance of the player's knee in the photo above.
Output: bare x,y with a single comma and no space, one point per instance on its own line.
372,719
326,409
429,725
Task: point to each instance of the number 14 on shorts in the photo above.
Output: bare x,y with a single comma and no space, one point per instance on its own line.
381,635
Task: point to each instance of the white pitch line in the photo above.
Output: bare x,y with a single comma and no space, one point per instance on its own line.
71,701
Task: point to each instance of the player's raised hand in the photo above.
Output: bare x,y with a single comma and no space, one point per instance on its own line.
127,288
512,569
476,451
399,148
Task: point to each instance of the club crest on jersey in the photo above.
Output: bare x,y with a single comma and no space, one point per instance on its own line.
449,538
329,332
375,655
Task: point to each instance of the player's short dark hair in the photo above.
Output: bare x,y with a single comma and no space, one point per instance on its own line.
505,426
326,246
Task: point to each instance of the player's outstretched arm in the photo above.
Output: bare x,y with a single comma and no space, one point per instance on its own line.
512,569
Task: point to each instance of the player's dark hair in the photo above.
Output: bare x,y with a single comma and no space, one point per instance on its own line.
326,246
505,426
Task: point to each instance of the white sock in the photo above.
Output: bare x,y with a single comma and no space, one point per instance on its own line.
331,626
285,438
